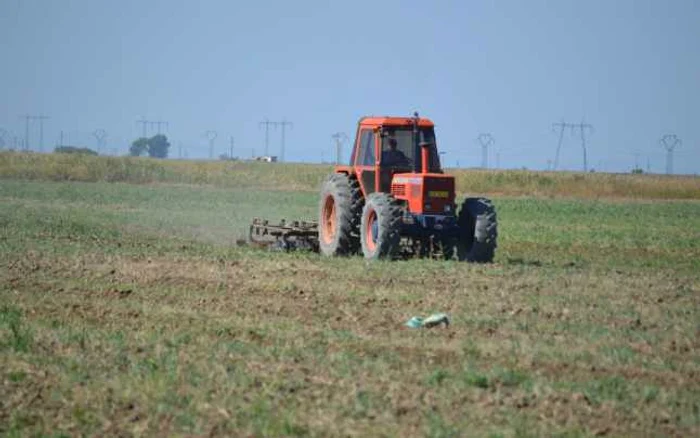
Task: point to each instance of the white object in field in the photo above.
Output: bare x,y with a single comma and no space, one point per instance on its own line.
432,321
267,159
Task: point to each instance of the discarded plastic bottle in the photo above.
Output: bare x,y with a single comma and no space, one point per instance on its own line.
433,320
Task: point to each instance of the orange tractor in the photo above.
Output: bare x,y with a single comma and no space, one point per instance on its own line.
393,200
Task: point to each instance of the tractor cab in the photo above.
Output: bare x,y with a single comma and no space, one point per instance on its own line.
398,155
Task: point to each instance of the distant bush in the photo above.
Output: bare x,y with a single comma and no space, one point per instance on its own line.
74,150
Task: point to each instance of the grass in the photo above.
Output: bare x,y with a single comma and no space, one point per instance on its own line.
307,177
128,310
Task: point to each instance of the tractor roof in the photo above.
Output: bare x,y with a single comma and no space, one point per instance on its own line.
377,121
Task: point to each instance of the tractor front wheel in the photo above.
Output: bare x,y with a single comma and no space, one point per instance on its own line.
339,211
380,227
478,230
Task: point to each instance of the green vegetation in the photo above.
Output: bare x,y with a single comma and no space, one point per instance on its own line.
128,310
74,150
308,177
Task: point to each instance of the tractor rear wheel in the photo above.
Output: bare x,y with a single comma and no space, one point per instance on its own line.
478,230
339,215
380,226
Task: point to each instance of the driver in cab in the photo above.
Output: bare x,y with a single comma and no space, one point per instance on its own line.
393,156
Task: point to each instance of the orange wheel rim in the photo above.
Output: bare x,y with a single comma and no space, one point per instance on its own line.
371,230
328,220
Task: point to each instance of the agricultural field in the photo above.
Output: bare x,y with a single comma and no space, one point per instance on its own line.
128,309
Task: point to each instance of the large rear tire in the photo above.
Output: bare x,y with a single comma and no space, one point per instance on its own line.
478,231
380,227
339,216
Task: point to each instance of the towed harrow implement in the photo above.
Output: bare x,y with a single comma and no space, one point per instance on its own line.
284,236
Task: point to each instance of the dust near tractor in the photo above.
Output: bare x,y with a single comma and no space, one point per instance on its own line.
392,201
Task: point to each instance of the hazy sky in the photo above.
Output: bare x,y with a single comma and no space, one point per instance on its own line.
511,68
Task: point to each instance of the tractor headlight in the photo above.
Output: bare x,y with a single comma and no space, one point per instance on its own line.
448,208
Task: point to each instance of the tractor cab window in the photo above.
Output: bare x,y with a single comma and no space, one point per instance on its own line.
366,155
398,149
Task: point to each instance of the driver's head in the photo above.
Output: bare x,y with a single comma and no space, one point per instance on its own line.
392,144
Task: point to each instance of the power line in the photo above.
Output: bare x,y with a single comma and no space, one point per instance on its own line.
266,123
340,138
486,140
670,142
284,123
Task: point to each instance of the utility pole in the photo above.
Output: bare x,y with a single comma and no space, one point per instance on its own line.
211,135
266,123
284,123
230,152
41,119
144,124
100,135
562,126
339,138
152,123
158,124
486,140
27,118
3,135
582,127
670,142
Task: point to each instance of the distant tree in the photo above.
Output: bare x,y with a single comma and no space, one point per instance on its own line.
158,146
138,147
637,170
74,150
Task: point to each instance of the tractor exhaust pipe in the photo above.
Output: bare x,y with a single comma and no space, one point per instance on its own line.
420,147
416,146
425,157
